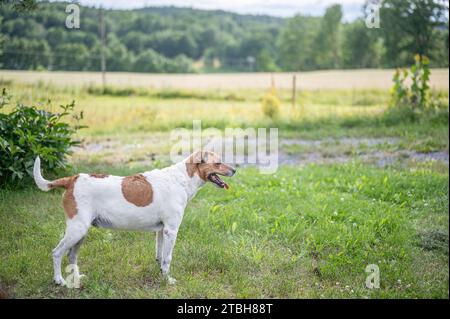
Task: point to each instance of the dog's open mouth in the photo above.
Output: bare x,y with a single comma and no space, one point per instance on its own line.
214,178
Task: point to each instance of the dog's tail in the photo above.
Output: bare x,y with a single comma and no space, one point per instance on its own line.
44,184
40,181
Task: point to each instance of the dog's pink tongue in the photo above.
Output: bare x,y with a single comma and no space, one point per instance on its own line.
225,185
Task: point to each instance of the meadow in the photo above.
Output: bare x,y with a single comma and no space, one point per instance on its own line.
334,206
311,80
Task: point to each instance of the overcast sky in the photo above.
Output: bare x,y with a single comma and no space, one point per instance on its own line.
280,8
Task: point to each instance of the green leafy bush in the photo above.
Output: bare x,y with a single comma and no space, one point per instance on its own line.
161,93
399,92
411,95
26,132
109,90
411,88
271,105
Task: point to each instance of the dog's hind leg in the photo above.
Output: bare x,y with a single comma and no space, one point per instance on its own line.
159,244
75,232
169,238
73,252
73,256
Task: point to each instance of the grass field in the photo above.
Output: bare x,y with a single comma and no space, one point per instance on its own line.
339,79
306,232
309,231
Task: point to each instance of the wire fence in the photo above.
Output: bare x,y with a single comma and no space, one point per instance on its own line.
76,61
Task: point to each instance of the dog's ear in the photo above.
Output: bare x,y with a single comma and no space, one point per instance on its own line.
192,162
197,158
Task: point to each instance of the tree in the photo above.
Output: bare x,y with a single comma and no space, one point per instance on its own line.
206,38
172,43
19,53
56,36
408,27
117,54
21,5
224,41
180,64
327,44
149,61
152,61
135,41
72,57
2,40
361,48
296,44
440,51
265,62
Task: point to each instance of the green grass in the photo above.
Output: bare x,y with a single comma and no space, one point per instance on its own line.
304,232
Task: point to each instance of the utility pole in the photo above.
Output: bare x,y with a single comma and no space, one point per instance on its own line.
102,47
272,83
294,91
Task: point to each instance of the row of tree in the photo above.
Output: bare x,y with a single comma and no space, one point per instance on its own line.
407,27
170,39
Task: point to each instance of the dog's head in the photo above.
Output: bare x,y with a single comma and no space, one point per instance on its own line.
208,166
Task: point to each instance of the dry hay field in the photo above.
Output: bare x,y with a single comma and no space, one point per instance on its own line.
336,79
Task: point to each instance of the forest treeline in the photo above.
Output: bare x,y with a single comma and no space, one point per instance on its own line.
179,40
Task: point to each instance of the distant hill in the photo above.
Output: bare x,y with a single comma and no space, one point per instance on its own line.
155,39
174,11
180,40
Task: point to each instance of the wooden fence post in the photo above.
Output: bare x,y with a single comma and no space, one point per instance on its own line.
294,91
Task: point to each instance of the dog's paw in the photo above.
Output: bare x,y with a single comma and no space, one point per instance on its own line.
60,281
171,281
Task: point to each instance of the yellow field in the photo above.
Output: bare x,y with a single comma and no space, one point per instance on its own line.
339,79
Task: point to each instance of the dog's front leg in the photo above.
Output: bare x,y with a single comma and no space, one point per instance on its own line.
159,248
169,238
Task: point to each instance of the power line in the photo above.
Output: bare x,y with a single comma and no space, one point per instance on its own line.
20,52
102,48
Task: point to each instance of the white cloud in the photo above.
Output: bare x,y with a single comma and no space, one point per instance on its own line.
283,8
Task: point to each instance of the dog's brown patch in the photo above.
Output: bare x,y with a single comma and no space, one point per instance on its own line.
192,163
69,203
98,175
191,169
137,190
62,182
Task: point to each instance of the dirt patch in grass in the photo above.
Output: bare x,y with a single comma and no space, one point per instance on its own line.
434,240
380,152
380,159
6,292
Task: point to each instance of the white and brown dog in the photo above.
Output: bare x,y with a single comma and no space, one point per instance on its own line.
150,201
